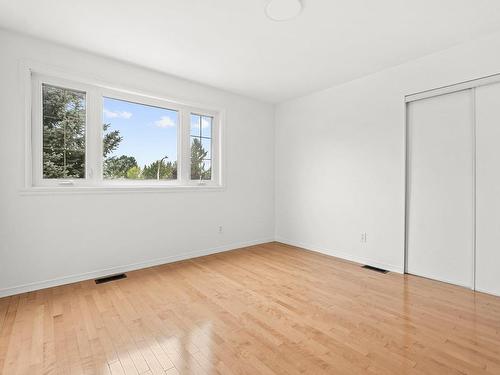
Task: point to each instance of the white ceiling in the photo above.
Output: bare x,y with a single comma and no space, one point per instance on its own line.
231,44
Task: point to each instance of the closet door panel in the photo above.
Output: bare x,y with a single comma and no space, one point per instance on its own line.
440,230
488,189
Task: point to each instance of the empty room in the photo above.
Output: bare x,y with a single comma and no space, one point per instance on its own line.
249,187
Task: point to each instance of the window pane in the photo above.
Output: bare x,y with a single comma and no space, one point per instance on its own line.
207,168
140,141
207,146
200,167
195,125
64,122
206,127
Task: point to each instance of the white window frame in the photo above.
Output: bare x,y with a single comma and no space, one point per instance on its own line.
94,179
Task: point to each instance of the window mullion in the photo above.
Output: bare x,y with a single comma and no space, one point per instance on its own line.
36,132
94,137
185,160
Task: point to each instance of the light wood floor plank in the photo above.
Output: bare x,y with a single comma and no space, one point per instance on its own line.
267,309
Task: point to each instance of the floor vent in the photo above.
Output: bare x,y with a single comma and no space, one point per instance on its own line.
375,269
107,279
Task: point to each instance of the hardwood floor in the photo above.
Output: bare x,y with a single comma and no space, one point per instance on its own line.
268,309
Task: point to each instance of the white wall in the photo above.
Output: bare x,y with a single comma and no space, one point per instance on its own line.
488,188
340,156
69,237
339,160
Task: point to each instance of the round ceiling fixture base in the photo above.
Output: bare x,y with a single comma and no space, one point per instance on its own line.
283,10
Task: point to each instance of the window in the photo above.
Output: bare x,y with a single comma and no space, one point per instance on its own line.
201,147
139,142
63,123
91,136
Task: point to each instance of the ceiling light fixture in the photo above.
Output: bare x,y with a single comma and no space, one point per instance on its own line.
283,10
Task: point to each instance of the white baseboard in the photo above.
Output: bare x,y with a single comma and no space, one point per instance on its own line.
5,292
371,262
440,279
342,255
480,290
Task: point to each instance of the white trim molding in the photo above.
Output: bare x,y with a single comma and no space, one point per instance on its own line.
343,255
465,85
64,280
33,75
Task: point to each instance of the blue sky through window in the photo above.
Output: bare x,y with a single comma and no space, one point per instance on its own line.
149,133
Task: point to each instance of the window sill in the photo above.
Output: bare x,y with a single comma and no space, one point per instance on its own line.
49,190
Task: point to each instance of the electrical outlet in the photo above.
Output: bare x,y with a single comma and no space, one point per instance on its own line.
220,229
364,237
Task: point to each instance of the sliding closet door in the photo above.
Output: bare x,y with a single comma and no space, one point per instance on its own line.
488,189
440,229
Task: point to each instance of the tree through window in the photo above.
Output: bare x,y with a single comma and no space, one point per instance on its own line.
140,141
201,147
64,122
86,135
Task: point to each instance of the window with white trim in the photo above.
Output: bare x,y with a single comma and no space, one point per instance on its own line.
92,136
201,147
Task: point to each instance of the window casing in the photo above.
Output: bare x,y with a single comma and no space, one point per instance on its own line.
93,174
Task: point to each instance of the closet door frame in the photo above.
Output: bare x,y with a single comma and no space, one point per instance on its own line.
462,86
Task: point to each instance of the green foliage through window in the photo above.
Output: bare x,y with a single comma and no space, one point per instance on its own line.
64,127
201,147
200,167
64,118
